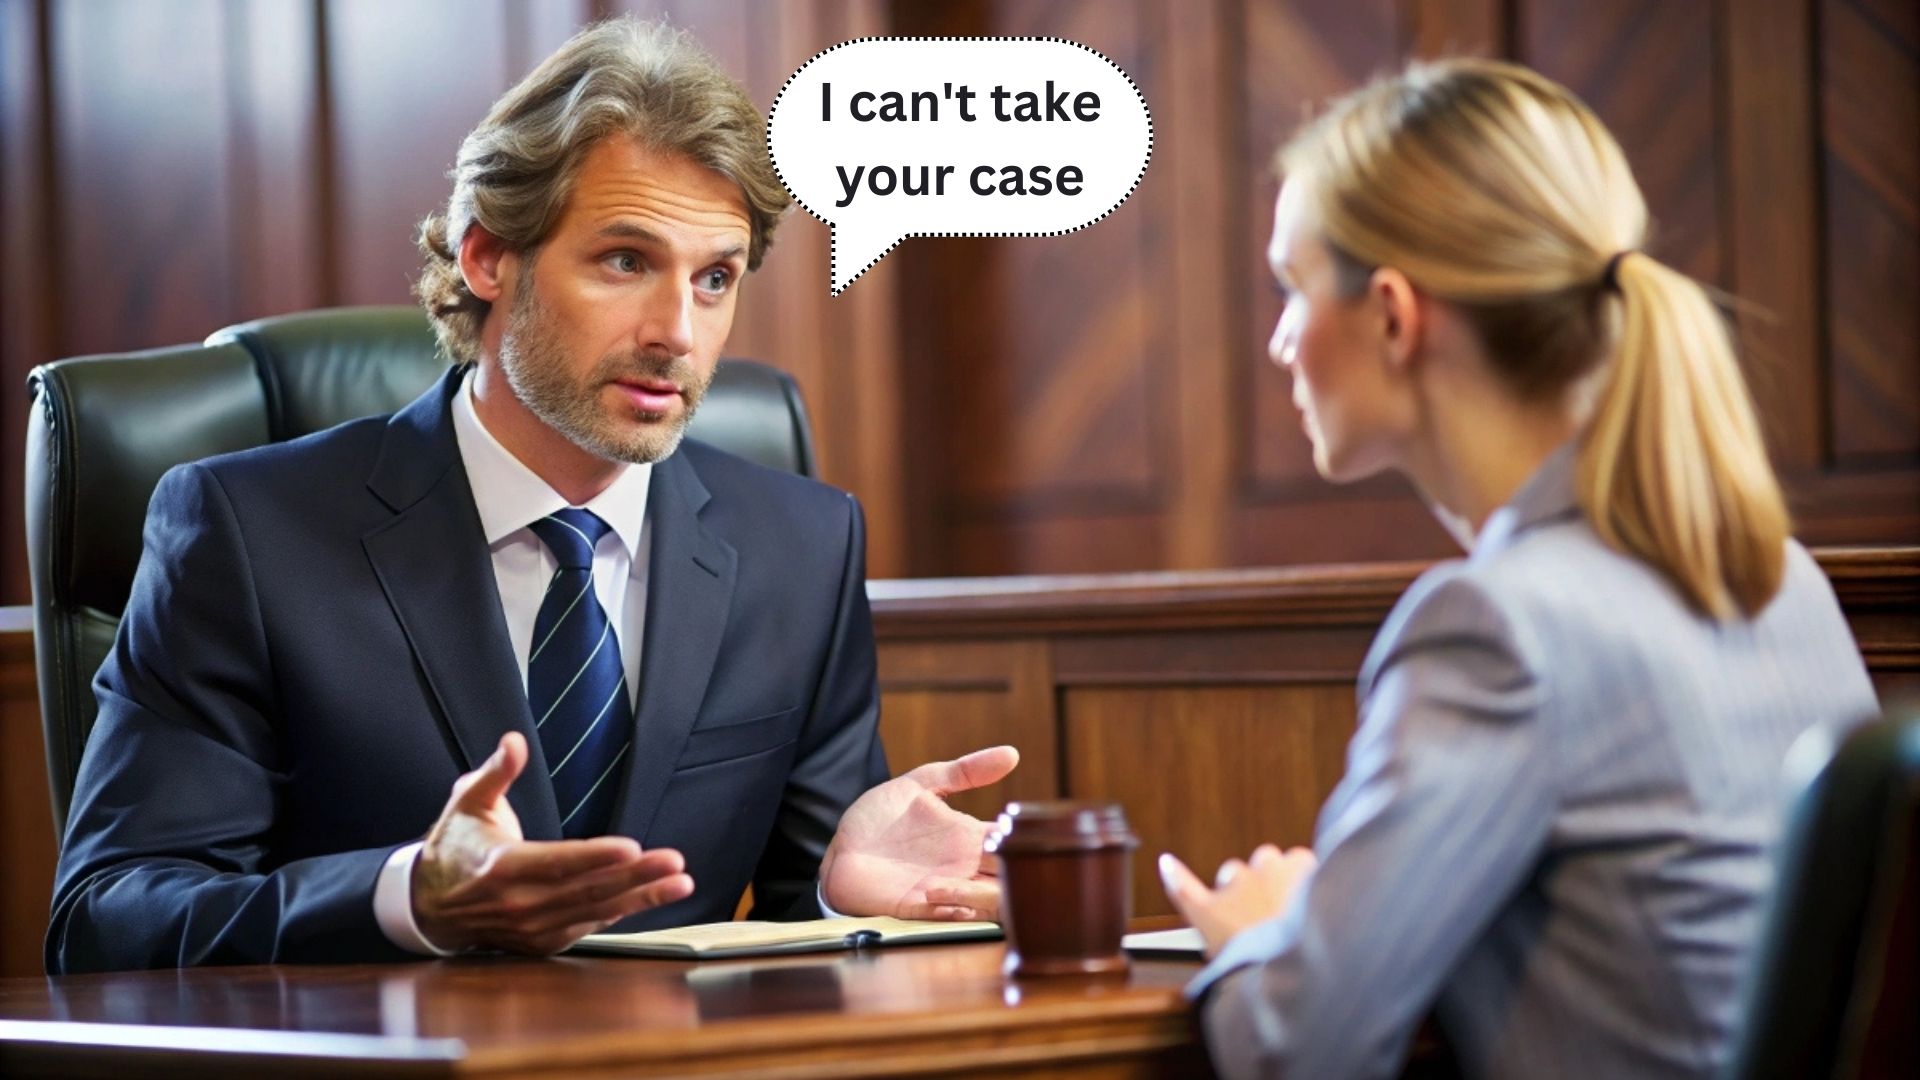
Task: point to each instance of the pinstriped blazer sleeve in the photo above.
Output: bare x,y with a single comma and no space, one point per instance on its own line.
1443,812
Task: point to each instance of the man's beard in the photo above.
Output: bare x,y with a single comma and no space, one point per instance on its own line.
538,370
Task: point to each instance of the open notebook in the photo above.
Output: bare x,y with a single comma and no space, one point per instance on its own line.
713,941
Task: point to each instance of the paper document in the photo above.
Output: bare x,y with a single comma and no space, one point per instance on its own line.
1185,941
754,938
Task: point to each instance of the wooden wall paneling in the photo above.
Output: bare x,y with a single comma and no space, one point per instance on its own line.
274,113
27,258
1207,773
1435,28
943,699
1379,519
27,847
1870,161
1330,652
1772,216
1193,146
1880,592
1847,506
1651,71
142,159
1047,375
404,84
1081,535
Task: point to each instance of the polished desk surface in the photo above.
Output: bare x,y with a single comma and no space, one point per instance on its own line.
883,1012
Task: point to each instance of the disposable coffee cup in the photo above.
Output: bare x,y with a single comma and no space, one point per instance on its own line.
1066,886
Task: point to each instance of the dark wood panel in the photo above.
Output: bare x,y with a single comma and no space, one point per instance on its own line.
1434,28
1079,536
1067,387
1870,154
1650,71
1774,227
1207,773
279,232
27,847
1375,520
26,254
405,83
939,701
1096,402
144,156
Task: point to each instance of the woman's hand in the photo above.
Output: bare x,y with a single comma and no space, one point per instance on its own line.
1244,893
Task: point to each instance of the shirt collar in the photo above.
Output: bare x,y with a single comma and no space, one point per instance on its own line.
509,495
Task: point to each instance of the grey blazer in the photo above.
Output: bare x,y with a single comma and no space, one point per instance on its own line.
1555,822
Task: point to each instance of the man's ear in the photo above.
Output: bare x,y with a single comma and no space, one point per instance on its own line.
1402,318
486,264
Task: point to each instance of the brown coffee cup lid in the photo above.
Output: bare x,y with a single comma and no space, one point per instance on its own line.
1060,825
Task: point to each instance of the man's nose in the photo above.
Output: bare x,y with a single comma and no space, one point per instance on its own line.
667,322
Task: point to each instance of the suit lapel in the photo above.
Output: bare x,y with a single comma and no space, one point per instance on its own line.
433,565
689,592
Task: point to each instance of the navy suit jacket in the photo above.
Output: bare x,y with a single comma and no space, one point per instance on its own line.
314,651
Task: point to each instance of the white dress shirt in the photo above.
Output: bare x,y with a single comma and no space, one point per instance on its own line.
509,497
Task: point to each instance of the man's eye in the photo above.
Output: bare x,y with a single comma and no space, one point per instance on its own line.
716,280
626,262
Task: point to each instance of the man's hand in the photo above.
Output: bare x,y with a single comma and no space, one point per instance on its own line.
1244,893
902,851
478,883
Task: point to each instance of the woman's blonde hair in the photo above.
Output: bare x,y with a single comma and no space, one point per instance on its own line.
623,76
1495,189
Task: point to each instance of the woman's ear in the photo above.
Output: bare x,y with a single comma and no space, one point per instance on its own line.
485,263
1402,319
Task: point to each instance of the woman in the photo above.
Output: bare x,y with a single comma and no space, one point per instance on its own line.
1554,824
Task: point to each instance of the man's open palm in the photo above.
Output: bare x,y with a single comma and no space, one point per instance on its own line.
902,851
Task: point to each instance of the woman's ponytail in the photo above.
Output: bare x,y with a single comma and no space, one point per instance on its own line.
1672,467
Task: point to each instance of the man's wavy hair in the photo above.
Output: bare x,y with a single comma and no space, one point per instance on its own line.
623,76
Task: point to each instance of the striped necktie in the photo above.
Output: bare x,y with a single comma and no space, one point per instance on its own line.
576,684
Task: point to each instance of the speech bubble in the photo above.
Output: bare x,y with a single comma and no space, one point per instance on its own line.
887,138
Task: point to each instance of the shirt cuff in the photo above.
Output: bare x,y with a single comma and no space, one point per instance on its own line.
820,895
393,904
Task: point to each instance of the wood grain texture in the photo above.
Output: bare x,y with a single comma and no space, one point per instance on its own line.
141,173
1092,403
888,1012
27,254
1870,158
27,846
942,700
1650,71
1773,217
1207,773
1040,397
405,83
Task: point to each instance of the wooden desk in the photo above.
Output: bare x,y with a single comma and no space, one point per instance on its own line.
914,1010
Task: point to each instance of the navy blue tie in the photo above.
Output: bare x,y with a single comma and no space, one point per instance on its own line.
576,684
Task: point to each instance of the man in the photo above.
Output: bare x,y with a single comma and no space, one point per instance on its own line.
653,661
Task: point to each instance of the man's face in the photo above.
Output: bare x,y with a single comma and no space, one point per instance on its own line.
613,341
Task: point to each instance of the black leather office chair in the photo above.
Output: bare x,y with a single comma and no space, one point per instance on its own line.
1832,989
104,428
